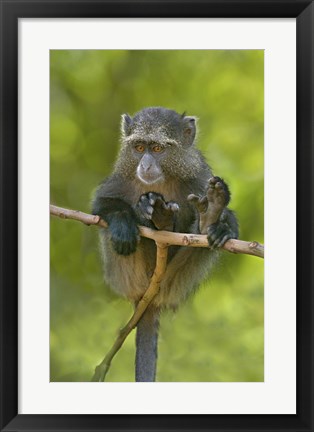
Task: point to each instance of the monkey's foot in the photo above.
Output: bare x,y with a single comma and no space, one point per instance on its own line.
211,205
218,192
218,233
211,208
152,206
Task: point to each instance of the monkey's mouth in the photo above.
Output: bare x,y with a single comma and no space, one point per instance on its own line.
149,177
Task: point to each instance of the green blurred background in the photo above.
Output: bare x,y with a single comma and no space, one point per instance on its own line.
218,335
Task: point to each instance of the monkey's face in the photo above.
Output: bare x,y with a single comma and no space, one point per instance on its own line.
155,145
149,157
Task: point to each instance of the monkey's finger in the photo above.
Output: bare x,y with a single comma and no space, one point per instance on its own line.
173,206
218,185
223,240
159,201
154,197
201,203
211,182
210,242
214,234
152,200
149,210
215,184
145,207
219,242
194,198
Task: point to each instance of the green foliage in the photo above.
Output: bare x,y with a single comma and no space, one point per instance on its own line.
218,334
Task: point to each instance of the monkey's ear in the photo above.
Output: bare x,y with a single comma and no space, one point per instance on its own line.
189,130
126,123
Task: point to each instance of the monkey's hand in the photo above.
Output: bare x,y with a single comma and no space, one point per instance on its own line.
215,220
153,207
124,232
122,222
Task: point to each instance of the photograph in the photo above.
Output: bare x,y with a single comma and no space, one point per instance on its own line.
156,169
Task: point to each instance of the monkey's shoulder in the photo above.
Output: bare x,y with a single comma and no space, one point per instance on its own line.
113,186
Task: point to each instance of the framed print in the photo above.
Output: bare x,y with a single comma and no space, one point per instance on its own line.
78,78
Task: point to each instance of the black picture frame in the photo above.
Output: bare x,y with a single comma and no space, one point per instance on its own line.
11,11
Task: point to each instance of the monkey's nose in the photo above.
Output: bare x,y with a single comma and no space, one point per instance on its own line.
146,166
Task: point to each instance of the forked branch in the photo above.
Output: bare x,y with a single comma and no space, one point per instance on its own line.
163,239
161,262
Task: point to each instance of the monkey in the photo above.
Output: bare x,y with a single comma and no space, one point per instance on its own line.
162,181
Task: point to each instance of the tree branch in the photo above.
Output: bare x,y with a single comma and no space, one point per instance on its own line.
161,262
165,237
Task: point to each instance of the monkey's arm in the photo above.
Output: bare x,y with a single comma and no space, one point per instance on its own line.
119,215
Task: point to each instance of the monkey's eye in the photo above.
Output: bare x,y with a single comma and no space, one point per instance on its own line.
157,149
140,148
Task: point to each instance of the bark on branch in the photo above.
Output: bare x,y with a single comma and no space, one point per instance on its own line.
165,237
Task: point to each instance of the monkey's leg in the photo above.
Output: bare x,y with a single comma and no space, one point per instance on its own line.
146,346
187,269
218,222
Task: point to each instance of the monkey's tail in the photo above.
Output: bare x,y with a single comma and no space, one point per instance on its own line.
146,346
